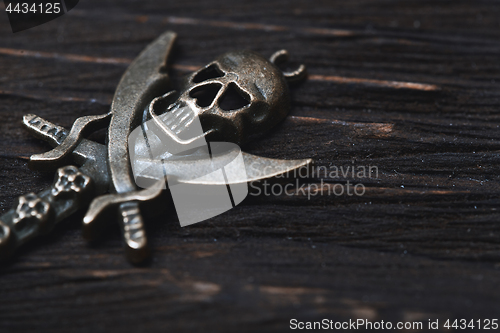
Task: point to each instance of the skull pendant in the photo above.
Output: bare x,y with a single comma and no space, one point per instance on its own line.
238,96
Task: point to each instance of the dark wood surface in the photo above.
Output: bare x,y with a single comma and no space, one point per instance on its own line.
411,87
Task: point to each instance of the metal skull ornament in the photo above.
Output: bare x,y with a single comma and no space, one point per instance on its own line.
239,95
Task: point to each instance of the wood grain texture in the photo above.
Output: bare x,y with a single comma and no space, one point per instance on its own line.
411,87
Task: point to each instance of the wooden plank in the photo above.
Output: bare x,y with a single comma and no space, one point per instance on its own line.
410,87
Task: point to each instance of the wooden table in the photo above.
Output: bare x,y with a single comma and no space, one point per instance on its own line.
410,87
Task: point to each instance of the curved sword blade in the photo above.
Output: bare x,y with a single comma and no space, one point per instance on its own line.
195,172
145,79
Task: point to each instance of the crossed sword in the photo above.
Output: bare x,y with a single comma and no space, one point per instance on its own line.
107,168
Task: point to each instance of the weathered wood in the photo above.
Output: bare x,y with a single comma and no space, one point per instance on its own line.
408,86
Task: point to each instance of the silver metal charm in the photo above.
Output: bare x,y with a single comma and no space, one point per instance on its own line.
237,98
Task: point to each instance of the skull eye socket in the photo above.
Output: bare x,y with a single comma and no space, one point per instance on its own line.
233,98
211,72
205,94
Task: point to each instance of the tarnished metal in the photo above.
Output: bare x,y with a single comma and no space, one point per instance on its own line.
258,91
237,97
145,79
37,214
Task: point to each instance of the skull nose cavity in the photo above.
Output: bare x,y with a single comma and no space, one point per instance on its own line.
211,72
233,98
205,94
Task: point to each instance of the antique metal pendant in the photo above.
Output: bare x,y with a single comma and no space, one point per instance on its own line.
106,180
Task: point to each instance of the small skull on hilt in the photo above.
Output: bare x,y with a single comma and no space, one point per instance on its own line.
31,212
70,182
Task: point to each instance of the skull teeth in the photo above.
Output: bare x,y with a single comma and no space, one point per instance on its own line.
173,115
174,121
183,123
178,119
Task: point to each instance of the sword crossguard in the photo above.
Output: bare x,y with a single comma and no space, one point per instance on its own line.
131,221
65,143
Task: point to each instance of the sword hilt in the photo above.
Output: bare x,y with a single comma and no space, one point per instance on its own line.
134,236
126,204
45,130
36,214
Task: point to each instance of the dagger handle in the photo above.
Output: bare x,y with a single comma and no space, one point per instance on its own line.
45,130
36,214
134,237
126,204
